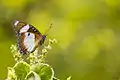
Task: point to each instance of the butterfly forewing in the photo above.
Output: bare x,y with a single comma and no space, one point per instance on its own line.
28,37
18,25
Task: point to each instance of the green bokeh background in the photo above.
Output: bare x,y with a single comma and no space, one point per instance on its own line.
88,34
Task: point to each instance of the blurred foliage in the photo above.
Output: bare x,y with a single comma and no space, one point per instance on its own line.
87,31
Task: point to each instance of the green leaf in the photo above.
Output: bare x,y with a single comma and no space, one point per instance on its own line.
32,76
21,70
44,70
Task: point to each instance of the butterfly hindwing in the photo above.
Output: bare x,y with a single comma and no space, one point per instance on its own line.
28,37
21,46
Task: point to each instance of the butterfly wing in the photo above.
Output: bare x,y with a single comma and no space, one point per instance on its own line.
27,42
21,46
28,37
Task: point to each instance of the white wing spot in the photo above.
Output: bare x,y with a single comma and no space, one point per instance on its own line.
29,41
16,22
25,28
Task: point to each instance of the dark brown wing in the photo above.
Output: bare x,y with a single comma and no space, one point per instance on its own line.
38,35
21,46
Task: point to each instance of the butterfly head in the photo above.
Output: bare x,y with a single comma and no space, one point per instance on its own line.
43,39
45,35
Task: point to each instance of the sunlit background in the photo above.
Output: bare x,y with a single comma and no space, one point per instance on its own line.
88,34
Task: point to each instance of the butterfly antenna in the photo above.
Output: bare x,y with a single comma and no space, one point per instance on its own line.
48,29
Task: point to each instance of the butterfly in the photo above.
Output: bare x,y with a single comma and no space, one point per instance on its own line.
29,38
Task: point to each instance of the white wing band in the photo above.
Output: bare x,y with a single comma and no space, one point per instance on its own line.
25,28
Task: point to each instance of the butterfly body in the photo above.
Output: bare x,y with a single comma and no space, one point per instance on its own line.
28,37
